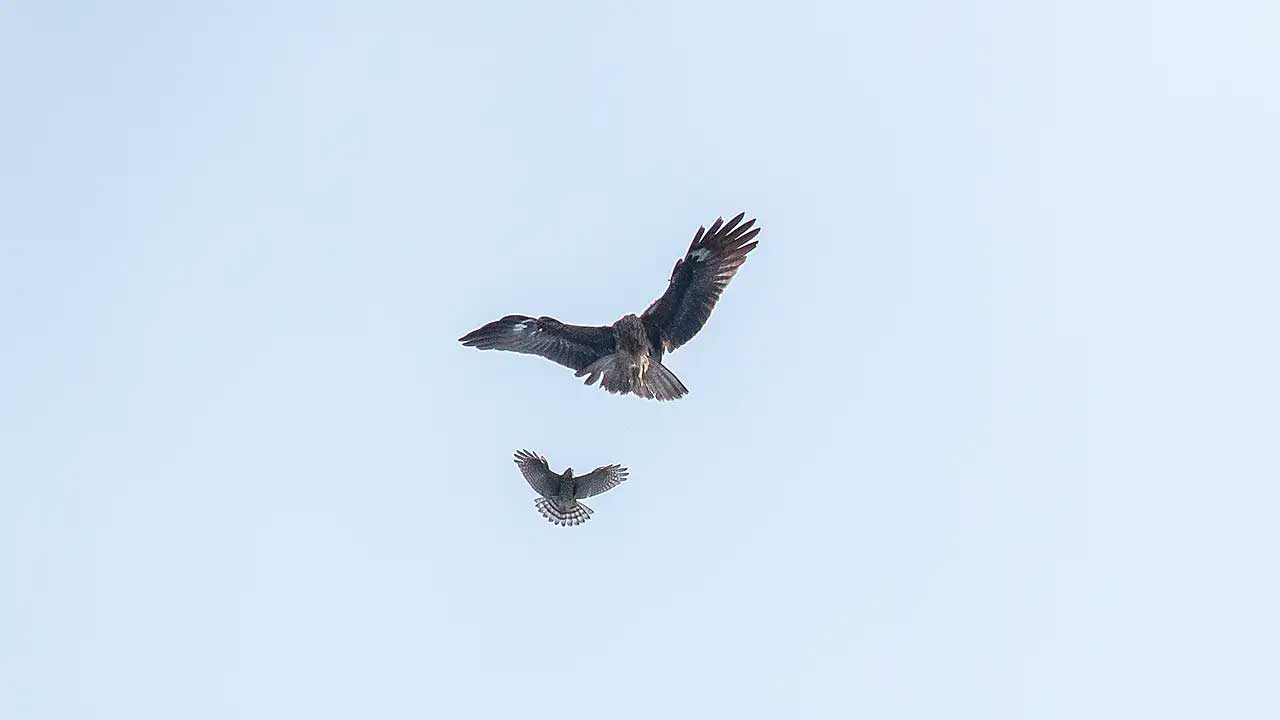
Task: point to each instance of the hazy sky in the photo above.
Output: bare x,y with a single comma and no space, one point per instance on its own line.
986,427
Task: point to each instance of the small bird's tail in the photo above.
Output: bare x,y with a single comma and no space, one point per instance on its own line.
617,374
557,514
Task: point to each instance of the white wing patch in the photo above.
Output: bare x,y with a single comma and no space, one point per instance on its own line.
699,254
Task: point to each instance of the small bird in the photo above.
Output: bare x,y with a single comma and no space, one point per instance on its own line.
560,493
626,357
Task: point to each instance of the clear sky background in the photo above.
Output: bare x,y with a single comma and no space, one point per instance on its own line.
986,427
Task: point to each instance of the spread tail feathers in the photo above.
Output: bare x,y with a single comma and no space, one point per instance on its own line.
557,514
618,373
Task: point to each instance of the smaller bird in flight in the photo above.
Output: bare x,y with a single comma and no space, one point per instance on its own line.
626,357
561,492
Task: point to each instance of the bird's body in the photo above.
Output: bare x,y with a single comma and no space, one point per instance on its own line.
561,491
626,357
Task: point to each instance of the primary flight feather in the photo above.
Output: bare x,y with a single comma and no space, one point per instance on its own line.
626,357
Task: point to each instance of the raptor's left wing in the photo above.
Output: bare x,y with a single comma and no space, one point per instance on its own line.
599,480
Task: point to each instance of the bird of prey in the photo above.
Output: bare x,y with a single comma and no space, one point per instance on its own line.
627,356
561,492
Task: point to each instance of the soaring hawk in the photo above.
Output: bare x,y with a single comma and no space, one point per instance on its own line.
560,492
627,356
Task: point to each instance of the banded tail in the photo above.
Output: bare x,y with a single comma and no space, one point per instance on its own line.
618,373
557,514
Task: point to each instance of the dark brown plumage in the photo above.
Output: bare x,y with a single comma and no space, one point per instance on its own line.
626,357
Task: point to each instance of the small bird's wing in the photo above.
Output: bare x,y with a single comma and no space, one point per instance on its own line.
599,480
574,346
534,469
697,281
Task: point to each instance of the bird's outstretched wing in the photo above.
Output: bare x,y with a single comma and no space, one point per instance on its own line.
574,346
534,469
697,281
599,480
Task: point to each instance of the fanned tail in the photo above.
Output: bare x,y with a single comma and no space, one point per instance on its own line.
557,514
617,373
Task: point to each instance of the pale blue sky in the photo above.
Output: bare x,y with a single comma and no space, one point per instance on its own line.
985,428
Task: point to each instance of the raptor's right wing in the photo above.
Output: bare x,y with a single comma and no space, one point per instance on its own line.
574,346
534,469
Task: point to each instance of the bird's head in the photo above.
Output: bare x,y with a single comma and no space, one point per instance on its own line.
568,472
